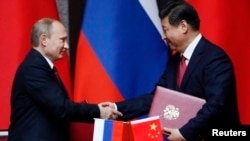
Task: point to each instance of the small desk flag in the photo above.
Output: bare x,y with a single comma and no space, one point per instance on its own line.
147,129
110,130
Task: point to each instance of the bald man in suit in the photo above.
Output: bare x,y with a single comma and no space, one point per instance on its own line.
40,106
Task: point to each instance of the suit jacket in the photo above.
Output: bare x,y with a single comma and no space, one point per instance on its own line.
209,75
40,107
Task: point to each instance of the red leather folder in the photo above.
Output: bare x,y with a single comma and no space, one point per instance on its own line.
173,107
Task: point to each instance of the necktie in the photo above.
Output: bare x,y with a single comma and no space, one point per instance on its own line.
182,69
56,74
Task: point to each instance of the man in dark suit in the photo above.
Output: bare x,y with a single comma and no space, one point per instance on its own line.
209,75
40,106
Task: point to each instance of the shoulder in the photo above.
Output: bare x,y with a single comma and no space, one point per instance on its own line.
210,49
34,63
208,45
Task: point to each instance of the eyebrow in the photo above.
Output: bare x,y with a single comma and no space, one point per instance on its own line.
64,37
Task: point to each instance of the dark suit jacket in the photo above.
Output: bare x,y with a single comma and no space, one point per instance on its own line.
209,75
40,107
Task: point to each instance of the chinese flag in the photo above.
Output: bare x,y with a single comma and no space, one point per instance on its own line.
16,20
147,129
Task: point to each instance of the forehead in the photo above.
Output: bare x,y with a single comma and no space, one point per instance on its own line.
165,22
58,28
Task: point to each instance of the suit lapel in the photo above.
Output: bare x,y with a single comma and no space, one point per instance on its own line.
42,62
170,76
194,62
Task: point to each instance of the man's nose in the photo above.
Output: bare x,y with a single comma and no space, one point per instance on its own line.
66,45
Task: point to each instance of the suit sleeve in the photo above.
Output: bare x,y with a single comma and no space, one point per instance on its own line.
139,106
52,98
135,107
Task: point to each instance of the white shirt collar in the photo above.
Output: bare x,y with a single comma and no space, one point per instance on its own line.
49,62
190,49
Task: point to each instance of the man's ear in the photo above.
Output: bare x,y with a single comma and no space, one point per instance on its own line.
184,26
43,39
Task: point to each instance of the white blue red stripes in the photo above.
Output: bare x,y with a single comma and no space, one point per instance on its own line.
120,53
110,130
126,43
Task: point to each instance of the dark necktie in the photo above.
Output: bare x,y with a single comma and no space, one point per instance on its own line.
182,69
56,74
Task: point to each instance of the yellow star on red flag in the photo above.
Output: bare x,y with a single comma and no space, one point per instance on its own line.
153,126
149,129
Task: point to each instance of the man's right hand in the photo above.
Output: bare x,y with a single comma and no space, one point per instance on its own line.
108,112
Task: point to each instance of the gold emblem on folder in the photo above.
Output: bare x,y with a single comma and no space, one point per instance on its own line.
171,112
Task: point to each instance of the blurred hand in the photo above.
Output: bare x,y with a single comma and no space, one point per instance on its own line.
106,112
173,134
109,104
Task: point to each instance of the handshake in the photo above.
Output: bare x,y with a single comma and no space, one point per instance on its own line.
108,110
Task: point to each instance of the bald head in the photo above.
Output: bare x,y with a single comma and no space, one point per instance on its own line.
43,26
49,37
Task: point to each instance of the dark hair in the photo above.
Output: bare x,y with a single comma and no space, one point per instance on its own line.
180,10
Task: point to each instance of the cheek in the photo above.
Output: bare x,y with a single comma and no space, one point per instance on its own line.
174,34
170,35
58,45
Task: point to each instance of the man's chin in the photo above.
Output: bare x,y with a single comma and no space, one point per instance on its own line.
172,48
59,57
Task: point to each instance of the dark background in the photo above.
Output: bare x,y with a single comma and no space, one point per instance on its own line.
76,10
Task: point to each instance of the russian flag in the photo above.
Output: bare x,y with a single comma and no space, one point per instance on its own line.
120,53
111,130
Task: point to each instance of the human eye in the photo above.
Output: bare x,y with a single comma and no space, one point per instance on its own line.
165,30
63,39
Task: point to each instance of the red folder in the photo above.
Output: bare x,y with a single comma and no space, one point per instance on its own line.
173,107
